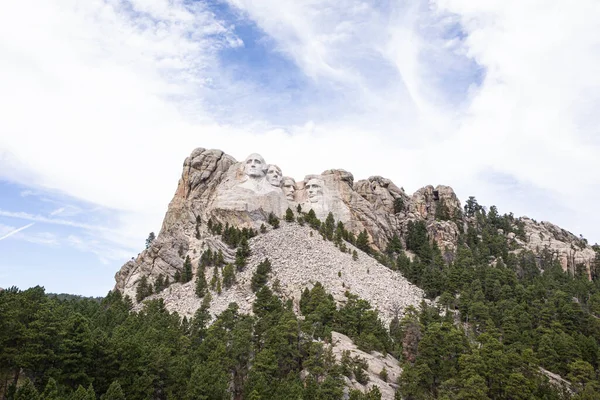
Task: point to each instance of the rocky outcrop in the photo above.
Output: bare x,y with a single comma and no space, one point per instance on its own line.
300,257
570,250
214,186
376,363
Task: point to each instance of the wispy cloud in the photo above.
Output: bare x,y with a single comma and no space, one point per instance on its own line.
14,231
54,221
442,91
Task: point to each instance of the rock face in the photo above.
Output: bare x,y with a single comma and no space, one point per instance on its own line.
567,248
214,186
376,363
300,258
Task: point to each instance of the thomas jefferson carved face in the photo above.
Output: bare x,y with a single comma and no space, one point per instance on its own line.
314,189
289,188
274,175
255,166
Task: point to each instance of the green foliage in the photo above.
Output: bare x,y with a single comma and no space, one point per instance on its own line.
383,374
261,275
354,255
143,289
27,391
362,242
114,392
394,245
51,390
273,220
186,274
417,240
228,276
150,239
289,215
398,205
201,285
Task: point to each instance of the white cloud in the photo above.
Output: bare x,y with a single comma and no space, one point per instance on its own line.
103,102
44,238
12,231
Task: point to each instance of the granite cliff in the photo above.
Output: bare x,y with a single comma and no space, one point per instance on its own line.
216,194
215,187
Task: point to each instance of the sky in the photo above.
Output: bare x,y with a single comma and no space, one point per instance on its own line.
102,100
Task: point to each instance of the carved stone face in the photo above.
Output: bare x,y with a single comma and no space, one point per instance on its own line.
274,175
255,166
314,189
289,188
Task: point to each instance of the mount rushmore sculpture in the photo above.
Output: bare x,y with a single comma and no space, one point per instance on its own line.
214,186
253,185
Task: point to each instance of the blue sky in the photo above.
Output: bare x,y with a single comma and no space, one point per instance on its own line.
103,99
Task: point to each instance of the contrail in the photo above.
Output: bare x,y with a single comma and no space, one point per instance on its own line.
16,231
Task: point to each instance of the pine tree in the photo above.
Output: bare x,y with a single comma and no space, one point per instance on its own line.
201,282
220,261
150,239
114,392
186,276
289,215
398,205
228,276
354,255
329,226
215,278
260,276
362,242
394,245
143,289
51,391
80,394
273,221
27,391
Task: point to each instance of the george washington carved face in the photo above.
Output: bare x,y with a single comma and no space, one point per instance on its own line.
274,175
255,166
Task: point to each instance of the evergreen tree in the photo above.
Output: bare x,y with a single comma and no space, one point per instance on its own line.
329,226
289,215
260,276
114,392
273,220
143,289
362,242
394,245
27,391
80,394
228,276
186,276
201,284
150,239
51,390
398,205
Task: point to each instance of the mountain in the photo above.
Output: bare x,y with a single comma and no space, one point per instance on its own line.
261,287
217,191
244,225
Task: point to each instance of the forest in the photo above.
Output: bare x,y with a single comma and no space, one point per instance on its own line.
506,325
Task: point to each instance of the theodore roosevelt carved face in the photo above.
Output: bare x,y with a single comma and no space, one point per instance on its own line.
274,175
314,189
289,188
255,166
